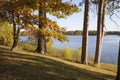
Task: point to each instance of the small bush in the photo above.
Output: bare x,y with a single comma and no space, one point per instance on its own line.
6,36
67,54
51,50
26,46
77,55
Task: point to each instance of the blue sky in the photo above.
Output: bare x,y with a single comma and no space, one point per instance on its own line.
75,21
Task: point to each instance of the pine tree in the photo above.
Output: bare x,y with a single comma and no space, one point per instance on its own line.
85,33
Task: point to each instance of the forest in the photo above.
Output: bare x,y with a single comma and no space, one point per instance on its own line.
37,58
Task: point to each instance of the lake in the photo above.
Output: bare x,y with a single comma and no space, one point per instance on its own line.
109,47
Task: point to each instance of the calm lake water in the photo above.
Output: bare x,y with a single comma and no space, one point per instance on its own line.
109,47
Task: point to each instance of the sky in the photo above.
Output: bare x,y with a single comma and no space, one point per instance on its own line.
75,21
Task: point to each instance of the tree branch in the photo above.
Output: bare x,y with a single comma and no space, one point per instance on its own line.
113,13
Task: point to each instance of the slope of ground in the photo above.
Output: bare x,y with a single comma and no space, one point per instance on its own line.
30,66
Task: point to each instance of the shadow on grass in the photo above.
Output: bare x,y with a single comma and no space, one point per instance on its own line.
16,66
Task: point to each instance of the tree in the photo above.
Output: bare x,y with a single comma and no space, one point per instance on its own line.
41,47
11,11
99,33
102,33
6,16
118,67
103,18
109,6
18,11
15,32
85,33
58,9
113,9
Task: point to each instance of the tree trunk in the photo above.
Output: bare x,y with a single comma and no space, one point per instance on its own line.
85,33
41,46
118,67
15,32
45,46
45,41
99,34
103,18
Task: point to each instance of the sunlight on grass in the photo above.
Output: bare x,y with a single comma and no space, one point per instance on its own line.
29,66
109,67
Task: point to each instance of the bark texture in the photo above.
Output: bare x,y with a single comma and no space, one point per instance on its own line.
99,34
41,46
16,32
85,33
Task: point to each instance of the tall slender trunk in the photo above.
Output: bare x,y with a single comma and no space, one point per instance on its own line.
99,34
15,32
103,18
118,67
41,40
85,33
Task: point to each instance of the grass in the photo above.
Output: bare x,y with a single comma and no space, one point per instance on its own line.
109,67
29,66
106,66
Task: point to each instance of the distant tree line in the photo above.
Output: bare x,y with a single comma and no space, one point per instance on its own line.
91,32
113,32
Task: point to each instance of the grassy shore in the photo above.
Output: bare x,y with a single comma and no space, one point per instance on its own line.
23,65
